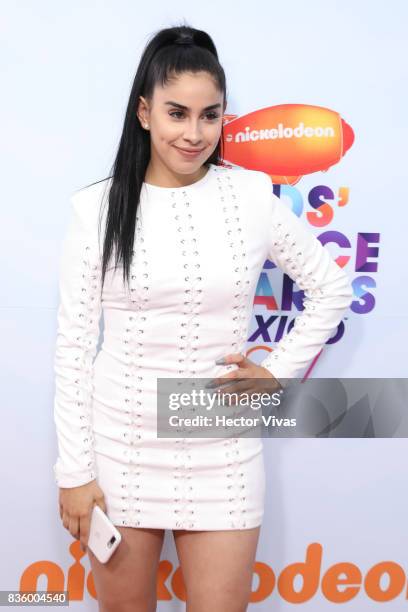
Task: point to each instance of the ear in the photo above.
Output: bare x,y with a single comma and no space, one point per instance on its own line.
143,112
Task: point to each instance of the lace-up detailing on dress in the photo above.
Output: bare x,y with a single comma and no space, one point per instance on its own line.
198,254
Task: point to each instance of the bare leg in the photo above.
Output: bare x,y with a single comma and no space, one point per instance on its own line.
127,582
217,568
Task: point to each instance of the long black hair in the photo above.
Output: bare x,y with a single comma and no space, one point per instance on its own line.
170,52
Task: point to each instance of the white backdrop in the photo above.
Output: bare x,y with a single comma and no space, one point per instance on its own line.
67,69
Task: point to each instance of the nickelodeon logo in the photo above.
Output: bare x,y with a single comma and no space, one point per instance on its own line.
283,132
287,141
339,583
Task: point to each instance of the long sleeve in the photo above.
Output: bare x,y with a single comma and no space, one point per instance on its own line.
78,318
327,289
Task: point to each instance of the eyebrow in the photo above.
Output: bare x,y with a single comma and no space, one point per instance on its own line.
170,103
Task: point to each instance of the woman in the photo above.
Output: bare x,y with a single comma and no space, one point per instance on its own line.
189,238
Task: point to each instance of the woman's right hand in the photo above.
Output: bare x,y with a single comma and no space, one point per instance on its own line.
76,505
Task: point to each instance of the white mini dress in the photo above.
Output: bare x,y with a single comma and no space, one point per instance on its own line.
198,254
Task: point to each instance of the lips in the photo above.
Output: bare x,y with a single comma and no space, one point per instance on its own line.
189,150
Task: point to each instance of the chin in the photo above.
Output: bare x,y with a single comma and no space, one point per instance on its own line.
188,165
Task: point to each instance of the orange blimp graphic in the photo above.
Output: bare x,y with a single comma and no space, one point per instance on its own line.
287,141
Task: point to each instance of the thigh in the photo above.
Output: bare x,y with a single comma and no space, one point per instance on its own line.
217,568
128,580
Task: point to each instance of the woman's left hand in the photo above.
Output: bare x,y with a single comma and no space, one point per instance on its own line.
248,377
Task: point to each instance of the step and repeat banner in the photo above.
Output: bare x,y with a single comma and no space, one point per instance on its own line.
317,99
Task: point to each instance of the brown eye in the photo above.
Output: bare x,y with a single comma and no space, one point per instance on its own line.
212,116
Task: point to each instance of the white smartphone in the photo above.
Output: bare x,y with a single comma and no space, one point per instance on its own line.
104,538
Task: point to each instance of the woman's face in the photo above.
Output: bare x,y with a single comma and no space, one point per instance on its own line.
186,115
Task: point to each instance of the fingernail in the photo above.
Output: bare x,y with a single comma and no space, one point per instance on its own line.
220,360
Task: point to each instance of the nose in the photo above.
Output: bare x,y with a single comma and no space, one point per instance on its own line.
192,133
